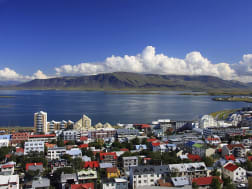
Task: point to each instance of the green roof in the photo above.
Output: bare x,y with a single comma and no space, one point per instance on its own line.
198,145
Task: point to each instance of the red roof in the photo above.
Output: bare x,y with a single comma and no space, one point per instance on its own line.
19,150
249,158
231,167
151,139
144,126
42,136
230,157
83,186
231,146
202,181
147,158
8,155
7,166
91,164
102,154
194,157
124,149
83,146
32,164
213,139
83,138
112,170
155,143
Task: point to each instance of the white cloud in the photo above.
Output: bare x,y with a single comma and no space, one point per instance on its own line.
7,74
150,62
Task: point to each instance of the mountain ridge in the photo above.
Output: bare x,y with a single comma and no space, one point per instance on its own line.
128,80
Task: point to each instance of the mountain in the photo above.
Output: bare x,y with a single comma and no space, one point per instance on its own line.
125,80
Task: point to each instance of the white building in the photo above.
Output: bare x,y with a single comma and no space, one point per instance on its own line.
207,121
34,146
4,142
129,162
9,181
236,174
147,175
55,153
40,122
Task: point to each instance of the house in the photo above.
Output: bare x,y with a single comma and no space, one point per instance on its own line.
190,170
235,173
129,162
34,167
180,181
19,151
205,182
147,175
213,140
91,164
55,152
83,186
8,169
34,146
141,147
58,163
86,174
9,181
108,157
238,150
114,183
193,157
74,152
113,172
67,180
40,182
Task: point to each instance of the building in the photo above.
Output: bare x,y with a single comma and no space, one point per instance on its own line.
207,121
40,182
84,124
102,133
147,175
9,181
122,133
34,146
43,137
8,169
40,122
5,140
34,166
83,186
55,152
108,157
114,183
180,181
222,132
129,162
67,180
17,138
74,152
191,170
113,172
205,182
86,174
72,135
235,173
238,150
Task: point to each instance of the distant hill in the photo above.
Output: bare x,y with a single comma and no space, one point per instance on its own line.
125,80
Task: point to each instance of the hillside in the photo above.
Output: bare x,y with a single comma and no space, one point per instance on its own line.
124,80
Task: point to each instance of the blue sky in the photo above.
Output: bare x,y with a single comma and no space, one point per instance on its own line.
48,34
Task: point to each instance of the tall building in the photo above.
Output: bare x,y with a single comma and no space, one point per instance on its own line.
83,124
40,122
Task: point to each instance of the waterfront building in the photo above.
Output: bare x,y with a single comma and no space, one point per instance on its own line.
84,124
40,122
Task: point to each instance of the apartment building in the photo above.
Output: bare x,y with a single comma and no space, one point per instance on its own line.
238,150
55,153
102,133
72,135
129,162
34,146
108,157
40,122
147,175
17,138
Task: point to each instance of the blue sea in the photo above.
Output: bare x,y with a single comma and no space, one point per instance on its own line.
105,106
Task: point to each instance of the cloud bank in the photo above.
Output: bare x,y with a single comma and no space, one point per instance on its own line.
8,74
148,61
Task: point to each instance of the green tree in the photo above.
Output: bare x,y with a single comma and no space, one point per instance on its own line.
77,163
194,185
215,184
31,174
60,143
208,161
215,173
